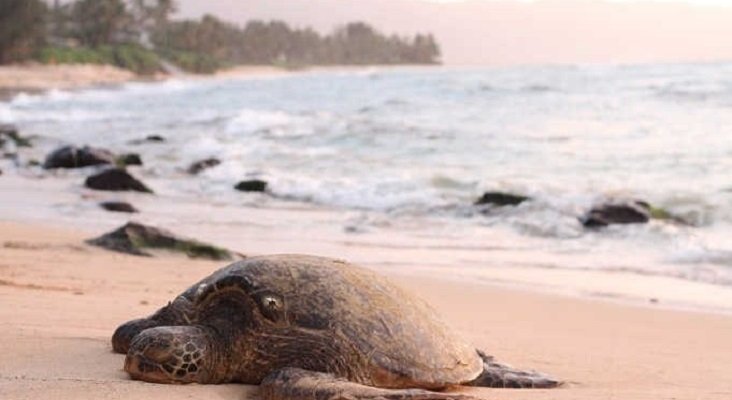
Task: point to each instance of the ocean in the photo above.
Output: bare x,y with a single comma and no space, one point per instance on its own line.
394,159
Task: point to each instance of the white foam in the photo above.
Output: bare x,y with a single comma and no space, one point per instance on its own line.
6,114
429,147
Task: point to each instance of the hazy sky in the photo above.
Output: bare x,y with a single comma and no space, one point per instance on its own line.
519,31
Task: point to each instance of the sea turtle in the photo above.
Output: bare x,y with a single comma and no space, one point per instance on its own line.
309,328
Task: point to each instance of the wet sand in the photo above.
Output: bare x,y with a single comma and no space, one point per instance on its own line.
61,300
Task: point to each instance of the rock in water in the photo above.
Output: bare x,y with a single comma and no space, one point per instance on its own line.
149,139
115,180
126,160
9,133
155,138
74,157
618,212
134,238
500,199
118,206
199,166
253,185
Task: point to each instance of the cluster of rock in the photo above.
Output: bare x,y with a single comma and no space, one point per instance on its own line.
70,157
114,178
133,238
610,212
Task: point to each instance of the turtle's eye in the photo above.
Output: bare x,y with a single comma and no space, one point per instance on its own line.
272,306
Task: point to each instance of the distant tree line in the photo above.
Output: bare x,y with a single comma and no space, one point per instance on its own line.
139,35
275,42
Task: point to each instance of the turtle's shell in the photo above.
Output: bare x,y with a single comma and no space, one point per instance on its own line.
396,336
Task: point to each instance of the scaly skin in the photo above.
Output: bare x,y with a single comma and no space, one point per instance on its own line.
289,322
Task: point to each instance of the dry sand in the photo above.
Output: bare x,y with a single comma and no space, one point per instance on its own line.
60,301
36,77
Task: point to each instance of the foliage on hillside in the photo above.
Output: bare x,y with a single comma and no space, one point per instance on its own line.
138,35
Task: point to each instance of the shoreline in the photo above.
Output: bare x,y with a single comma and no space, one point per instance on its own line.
37,78
34,78
462,259
65,298
56,201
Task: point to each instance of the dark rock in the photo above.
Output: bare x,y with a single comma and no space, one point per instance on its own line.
129,159
74,157
501,199
149,139
134,238
115,179
10,133
618,212
199,166
253,185
118,206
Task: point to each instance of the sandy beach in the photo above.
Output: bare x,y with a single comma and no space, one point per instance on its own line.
37,78
62,300
610,332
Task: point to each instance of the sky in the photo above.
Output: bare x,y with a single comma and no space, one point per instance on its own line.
518,32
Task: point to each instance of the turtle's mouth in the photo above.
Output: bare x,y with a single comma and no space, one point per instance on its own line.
142,368
168,355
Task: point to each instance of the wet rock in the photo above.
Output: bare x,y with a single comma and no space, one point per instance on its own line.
116,179
149,139
629,212
75,157
138,239
155,139
9,134
501,199
252,185
118,206
199,166
618,212
129,159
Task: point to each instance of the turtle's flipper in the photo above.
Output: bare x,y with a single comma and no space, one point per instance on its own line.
299,384
498,375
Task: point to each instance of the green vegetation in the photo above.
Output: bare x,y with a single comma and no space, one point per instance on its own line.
275,43
22,28
192,62
660,213
152,238
138,35
128,56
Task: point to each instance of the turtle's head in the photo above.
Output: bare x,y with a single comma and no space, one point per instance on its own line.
174,354
175,313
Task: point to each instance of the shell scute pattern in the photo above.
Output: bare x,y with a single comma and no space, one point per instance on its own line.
391,336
